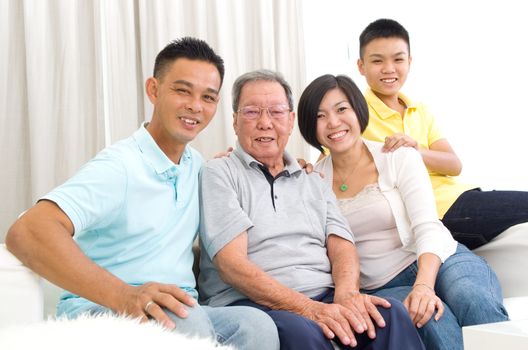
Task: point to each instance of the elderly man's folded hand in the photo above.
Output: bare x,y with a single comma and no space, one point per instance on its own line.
336,320
364,307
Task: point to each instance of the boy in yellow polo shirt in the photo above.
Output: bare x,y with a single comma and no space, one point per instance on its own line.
474,217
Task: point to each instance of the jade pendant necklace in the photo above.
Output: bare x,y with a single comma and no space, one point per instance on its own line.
344,187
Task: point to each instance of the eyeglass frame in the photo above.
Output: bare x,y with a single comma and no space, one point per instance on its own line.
267,109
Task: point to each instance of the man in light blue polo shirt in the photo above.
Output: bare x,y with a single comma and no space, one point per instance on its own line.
134,211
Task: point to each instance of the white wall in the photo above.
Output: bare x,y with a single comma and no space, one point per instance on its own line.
470,66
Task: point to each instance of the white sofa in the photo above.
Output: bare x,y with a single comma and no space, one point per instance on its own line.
26,298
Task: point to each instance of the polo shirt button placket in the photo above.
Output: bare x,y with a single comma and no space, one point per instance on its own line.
173,180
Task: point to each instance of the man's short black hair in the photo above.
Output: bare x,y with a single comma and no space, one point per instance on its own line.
382,28
314,93
190,48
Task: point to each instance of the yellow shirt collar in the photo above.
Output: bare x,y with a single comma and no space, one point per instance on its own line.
381,108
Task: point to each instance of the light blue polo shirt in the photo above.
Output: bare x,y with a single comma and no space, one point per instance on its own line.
135,213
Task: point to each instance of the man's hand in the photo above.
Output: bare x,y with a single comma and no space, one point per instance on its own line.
225,153
148,300
422,303
364,307
335,320
392,143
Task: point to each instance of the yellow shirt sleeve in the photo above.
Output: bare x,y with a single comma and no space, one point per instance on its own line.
419,124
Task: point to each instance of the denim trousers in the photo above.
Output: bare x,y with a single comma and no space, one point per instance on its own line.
297,332
469,289
476,217
238,326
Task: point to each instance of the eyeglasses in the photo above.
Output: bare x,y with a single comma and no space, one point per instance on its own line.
254,112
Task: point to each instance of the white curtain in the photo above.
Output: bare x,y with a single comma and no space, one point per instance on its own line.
72,75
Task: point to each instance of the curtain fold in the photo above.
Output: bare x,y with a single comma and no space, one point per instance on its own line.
72,77
16,172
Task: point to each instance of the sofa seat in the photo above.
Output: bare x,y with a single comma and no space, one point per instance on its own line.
26,298
507,254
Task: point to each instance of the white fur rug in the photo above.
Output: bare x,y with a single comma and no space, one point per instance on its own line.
97,333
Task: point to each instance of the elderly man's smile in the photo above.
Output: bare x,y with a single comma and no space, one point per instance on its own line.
264,139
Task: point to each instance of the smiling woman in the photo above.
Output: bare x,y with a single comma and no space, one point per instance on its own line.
458,70
405,251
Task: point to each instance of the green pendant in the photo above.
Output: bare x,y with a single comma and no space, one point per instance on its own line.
343,187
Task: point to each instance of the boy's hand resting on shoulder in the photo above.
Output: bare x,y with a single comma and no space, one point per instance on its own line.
392,143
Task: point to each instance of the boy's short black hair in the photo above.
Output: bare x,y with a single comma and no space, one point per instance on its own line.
314,93
190,48
382,28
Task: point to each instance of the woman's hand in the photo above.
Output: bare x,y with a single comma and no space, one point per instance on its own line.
421,304
308,167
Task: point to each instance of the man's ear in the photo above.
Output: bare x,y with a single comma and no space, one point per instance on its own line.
151,88
361,66
292,121
235,127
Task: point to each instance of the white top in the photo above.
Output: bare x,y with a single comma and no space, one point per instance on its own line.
376,237
404,182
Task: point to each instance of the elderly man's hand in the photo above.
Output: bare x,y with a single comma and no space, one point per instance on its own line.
148,300
335,320
364,308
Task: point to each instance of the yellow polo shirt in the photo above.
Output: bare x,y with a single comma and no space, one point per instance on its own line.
420,125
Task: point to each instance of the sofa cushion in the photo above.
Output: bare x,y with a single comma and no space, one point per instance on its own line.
21,298
507,254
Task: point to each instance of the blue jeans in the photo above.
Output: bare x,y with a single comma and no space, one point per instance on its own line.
298,332
476,217
469,289
238,326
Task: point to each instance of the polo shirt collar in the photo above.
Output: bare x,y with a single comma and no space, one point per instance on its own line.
381,108
153,154
291,164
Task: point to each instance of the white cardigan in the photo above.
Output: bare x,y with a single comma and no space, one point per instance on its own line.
404,182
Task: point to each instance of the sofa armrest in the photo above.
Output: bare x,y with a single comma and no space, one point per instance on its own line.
21,296
507,254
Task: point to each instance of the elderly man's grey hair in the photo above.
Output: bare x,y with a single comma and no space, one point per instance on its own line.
260,75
